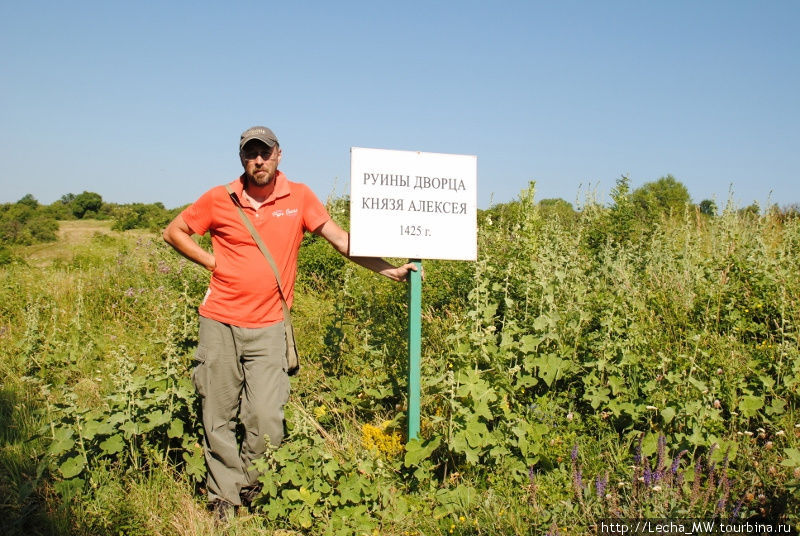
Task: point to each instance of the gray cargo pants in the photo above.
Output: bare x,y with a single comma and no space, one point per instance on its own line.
239,371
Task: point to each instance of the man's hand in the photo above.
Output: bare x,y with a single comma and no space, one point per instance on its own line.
401,273
340,240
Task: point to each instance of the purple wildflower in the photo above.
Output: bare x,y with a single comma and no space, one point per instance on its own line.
662,447
711,467
577,479
163,267
648,471
648,475
736,509
600,485
531,475
674,467
710,482
637,457
574,454
130,292
726,491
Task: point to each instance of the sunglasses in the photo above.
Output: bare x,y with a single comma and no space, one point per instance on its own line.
252,154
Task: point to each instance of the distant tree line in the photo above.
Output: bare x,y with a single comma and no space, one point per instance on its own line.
630,211
28,222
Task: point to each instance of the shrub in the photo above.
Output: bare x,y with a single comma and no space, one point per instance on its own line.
23,223
664,197
86,202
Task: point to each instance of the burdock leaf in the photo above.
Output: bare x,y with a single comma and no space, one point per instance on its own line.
113,444
793,458
72,466
62,441
668,414
175,428
749,405
416,450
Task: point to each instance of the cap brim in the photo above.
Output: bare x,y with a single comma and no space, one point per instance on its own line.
268,141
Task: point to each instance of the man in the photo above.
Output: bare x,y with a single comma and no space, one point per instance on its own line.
241,368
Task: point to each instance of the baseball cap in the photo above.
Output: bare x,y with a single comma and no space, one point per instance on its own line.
258,133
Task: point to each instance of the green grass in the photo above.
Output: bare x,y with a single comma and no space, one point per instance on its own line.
556,361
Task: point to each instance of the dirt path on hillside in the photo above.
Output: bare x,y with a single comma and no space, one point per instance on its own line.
81,231
71,235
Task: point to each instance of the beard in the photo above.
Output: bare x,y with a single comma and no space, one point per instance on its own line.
260,178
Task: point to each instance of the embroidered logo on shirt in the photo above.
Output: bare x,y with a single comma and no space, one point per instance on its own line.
288,212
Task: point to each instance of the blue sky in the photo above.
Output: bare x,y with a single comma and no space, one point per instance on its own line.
145,101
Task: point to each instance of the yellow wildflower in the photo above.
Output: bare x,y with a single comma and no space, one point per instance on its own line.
377,439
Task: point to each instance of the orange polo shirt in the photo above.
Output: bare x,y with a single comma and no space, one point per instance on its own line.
243,290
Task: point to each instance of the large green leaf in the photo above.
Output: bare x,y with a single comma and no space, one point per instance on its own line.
417,450
792,458
668,414
550,366
477,434
72,466
94,428
749,405
113,444
62,441
175,428
195,464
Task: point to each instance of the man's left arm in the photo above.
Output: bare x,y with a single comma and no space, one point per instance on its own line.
340,240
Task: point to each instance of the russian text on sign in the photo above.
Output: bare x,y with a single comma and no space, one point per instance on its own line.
381,203
385,179
438,183
438,207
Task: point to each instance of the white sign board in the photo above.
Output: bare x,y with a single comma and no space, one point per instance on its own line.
413,205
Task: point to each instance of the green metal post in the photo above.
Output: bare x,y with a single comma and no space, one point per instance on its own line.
414,347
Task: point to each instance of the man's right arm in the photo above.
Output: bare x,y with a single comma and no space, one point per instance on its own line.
179,236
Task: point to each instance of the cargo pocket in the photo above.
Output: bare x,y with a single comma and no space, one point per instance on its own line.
200,373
